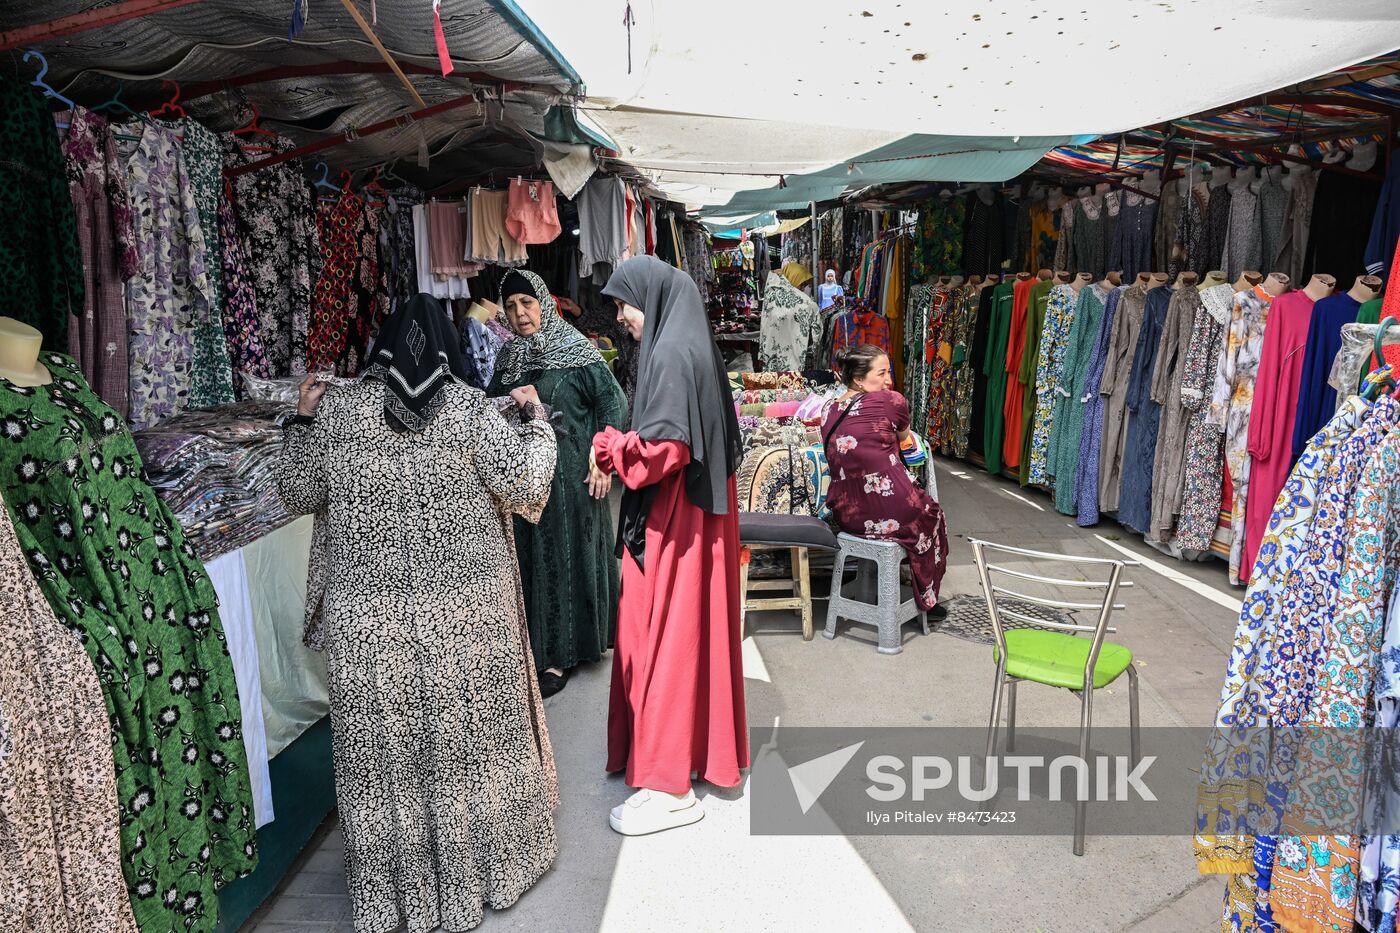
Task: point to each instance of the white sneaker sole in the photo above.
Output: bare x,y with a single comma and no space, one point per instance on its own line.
673,820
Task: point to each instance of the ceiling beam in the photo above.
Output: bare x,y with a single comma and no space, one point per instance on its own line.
403,119
97,18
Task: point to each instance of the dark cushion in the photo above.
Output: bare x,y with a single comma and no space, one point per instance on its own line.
785,531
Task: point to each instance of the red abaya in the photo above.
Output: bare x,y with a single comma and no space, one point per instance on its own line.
677,702
1013,402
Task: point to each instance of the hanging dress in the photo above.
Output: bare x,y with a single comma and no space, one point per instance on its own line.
1013,404
1118,370
1059,320
1168,460
1232,397
1086,467
1201,486
1067,423
1037,301
1144,417
998,303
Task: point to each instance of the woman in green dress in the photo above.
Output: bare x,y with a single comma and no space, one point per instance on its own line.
567,562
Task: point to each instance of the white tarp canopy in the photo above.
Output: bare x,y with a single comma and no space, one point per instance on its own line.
804,73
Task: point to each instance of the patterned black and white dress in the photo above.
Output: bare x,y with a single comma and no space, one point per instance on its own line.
443,769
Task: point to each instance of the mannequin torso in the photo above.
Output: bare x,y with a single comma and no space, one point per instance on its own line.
19,354
1248,280
1276,284
1320,286
1212,279
1365,288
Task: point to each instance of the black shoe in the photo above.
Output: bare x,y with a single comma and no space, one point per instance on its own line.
938,613
551,683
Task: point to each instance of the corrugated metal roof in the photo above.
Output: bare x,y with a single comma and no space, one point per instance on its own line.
305,92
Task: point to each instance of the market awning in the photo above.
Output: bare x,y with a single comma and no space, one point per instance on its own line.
786,81
329,78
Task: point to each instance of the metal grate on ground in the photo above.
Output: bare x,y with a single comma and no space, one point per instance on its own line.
968,619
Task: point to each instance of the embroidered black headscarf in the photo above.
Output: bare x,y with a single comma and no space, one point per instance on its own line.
416,354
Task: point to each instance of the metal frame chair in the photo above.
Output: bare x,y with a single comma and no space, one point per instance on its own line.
997,594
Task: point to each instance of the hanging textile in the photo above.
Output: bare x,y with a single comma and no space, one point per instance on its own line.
916,366
1118,370
1231,400
171,289
1086,469
789,326
1144,417
1133,236
44,280
999,303
212,378
1242,247
940,322
97,181
1217,226
964,310
1014,399
277,227
1037,303
1068,420
1059,321
1168,376
242,326
982,407
1199,509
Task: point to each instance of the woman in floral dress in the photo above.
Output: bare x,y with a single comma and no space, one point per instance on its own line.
872,495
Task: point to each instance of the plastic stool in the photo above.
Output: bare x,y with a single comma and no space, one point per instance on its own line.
888,613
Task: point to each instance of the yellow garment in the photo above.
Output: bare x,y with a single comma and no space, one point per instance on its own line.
796,273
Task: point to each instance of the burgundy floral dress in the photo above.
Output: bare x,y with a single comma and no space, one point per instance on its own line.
873,496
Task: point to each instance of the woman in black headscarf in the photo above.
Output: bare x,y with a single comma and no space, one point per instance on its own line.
443,772
677,702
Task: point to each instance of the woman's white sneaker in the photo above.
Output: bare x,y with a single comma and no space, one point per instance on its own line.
649,811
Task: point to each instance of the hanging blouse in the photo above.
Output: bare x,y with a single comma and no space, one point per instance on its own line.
242,326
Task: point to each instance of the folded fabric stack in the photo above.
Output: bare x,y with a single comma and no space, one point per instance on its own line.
214,469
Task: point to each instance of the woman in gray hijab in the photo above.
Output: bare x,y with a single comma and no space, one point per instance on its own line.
567,563
677,702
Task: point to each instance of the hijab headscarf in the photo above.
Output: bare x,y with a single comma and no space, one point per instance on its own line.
556,345
682,390
796,273
416,354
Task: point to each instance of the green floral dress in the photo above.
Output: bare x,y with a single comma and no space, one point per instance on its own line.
114,565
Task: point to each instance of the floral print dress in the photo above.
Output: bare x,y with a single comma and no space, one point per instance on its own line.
115,567
1231,401
212,382
1054,341
873,496
1199,506
171,289
277,226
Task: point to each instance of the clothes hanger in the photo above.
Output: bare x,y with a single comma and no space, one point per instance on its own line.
324,181
116,102
172,106
254,127
43,85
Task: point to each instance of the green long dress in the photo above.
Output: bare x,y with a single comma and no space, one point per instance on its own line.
1067,425
568,565
994,368
1037,302
113,563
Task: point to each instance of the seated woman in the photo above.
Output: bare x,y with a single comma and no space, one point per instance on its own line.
872,495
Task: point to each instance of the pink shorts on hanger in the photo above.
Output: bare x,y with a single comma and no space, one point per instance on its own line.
532,217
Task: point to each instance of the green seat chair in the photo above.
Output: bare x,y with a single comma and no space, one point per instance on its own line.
1070,654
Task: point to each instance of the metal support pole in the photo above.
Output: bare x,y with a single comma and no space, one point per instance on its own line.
96,18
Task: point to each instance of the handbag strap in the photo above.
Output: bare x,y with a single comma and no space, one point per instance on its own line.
826,438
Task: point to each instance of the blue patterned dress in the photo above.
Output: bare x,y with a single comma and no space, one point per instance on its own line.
1086,471
1067,422
1144,417
1054,340
1227,791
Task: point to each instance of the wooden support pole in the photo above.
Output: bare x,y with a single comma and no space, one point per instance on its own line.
340,138
383,52
96,18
